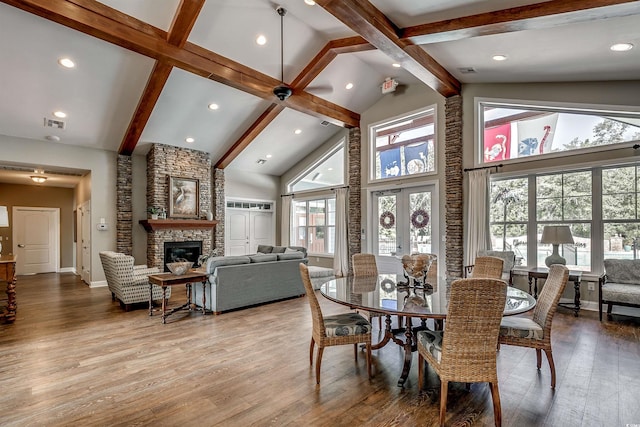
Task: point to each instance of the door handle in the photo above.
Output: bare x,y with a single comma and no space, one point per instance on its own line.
21,246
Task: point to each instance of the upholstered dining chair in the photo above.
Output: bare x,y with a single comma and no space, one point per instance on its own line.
535,332
364,265
337,329
488,267
466,350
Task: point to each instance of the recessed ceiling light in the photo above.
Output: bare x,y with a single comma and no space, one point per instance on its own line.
60,114
54,138
330,169
349,86
395,64
66,63
310,2
297,131
213,106
621,47
499,57
261,40
189,140
269,156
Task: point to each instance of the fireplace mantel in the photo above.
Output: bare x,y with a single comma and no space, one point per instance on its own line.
164,224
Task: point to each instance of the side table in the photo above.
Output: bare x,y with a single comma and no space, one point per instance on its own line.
8,274
169,279
535,273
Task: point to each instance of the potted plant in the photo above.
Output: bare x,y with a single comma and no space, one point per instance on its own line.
154,212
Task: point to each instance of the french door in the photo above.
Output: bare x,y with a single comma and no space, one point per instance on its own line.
405,222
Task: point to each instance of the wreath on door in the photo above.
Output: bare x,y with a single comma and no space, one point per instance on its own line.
420,218
387,220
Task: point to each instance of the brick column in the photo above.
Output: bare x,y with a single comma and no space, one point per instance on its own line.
218,210
124,215
453,188
355,203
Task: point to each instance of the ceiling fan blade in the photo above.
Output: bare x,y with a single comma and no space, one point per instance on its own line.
320,89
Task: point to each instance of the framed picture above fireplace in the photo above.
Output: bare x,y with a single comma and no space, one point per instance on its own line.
184,196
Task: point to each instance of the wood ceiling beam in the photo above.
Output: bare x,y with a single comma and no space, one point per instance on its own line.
531,17
362,17
306,76
104,23
183,22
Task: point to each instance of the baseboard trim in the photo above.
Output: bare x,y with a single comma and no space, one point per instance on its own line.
68,270
98,284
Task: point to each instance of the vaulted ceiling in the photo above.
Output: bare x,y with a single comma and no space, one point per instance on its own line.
146,70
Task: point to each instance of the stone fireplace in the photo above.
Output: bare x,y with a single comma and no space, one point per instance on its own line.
165,161
179,251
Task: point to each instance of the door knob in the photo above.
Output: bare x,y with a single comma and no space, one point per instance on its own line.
21,246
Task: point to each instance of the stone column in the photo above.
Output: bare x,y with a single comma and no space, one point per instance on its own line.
124,215
355,194
453,188
218,211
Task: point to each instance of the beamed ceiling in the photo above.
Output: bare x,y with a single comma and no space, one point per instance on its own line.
147,69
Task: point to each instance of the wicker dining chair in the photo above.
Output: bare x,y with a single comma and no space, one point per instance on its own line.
364,265
535,332
337,329
488,267
466,351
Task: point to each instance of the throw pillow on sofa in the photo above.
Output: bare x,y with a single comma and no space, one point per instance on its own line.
278,249
290,255
265,249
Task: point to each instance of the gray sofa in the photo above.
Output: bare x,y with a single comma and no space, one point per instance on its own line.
621,284
241,281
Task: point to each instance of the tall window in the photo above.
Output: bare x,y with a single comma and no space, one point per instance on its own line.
404,146
514,131
327,172
508,217
620,189
314,222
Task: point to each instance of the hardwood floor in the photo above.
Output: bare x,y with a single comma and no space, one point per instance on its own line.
74,357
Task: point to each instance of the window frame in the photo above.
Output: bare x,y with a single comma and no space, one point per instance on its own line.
306,200
549,106
433,109
340,145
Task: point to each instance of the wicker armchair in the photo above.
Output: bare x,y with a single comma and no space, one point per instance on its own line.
509,261
536,332
337,329
466,351
487,267
364,265
127,282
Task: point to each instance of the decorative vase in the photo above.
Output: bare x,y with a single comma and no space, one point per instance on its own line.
209,215
154,216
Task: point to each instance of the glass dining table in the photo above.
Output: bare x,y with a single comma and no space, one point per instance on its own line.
394,294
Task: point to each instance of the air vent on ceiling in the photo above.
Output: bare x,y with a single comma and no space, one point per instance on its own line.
467,70
51,123
261,161
324,123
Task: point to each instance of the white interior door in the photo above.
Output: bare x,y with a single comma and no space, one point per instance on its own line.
238,232
36,237
85,242
261,230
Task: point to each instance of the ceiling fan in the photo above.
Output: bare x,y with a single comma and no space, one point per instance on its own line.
283,90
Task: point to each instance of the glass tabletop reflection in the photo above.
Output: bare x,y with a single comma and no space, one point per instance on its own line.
391,294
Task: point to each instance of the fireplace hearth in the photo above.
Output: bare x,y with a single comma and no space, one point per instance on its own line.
176,251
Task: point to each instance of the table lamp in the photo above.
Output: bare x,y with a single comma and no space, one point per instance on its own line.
4,222
556,235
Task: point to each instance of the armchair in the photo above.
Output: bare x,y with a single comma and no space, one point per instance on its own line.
128,283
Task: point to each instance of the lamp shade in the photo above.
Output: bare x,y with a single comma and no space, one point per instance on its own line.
556,235
4,216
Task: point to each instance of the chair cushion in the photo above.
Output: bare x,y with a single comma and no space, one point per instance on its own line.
316,271
290,255
432,342
263,257
621,292
341,325
520,327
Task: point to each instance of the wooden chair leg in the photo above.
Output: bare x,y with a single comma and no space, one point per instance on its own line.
420,371
538,358
313,343
497,408
552,366
355,351
113,296
318,363
609,308
444,388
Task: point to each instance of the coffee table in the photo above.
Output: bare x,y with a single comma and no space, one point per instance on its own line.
165,280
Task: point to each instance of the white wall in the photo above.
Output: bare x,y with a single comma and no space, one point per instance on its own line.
102,188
